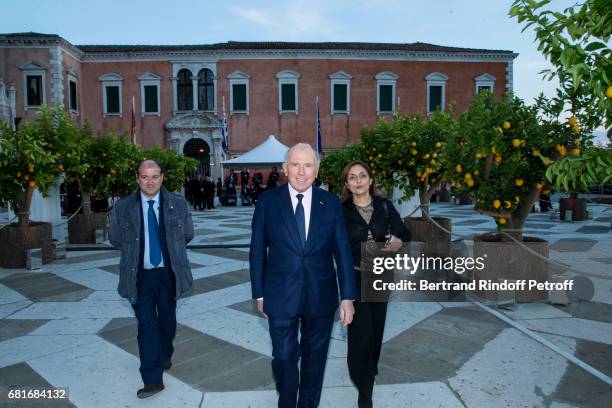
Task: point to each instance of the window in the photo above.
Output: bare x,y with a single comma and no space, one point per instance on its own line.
73,95
436,89
239,92
385,91
340,91
112,99
288,91
206,90
184,90
111,94
149,93
485,82
33,84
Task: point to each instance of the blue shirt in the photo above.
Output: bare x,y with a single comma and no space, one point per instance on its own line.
145,211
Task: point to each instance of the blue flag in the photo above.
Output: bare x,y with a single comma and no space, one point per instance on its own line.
225,131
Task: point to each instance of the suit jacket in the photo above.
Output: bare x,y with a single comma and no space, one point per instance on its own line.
285,273
126,234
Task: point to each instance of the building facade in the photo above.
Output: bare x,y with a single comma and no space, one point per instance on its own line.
178,92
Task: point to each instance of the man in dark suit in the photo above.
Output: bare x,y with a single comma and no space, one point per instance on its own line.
152,227
298,232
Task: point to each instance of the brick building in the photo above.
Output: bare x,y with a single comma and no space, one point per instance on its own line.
268,87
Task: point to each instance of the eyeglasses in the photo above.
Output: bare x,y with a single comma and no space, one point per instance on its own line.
147,178
354,177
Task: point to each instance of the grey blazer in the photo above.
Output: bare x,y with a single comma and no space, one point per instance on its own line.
125,233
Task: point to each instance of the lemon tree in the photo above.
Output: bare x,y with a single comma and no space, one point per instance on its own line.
175,166
500,156
30,159
330,170
576,41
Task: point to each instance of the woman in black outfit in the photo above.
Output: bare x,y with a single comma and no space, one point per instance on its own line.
369,219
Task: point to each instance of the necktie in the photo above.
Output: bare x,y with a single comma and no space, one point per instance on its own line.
155,255
300,219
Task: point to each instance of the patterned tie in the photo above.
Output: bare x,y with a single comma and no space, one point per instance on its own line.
155,255
301,219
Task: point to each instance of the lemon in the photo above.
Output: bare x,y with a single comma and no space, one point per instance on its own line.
572,121
498,159
413,144
506,125
576,129
516,142
426,156
468,176
539,186
470,183
576,152
507,204
413,152
496,204
519,182
438,145
501,221
32,184
476,172
535,152
609,92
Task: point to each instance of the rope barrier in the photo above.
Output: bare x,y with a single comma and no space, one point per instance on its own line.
9,222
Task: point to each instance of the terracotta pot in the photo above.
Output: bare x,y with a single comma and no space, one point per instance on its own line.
509,260
82,228
17,239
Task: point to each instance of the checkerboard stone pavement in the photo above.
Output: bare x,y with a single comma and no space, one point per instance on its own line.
65,326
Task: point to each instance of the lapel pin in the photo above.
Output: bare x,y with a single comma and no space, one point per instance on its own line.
322,202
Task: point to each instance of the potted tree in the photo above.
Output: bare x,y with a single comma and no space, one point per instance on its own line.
29,160
500,158
175,166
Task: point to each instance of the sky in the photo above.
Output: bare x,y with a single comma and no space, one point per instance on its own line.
459,23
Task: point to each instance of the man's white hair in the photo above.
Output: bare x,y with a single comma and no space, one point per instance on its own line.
304,146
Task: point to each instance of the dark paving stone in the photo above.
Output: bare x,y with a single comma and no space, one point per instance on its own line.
434,349
597,355
224,253
593,229
9,328
539,225
580,388
216,282
206,231
226,238
248,306
573,245
22,376
241,226
92,257
200,360
601,312
45,286
115,268
470,222
607,261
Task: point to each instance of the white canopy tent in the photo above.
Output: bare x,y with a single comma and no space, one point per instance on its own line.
269,153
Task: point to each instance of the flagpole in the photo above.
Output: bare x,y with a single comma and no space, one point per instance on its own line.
133,129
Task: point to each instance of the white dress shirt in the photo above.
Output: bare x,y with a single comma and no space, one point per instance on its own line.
145,215
306,203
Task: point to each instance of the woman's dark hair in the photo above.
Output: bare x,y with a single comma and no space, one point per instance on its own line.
346,193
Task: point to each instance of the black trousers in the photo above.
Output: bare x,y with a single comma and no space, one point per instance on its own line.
365,335
155,310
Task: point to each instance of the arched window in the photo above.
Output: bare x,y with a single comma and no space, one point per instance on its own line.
184,89
206,90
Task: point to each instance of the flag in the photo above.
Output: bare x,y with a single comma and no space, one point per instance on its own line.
133,128
225,131
319,143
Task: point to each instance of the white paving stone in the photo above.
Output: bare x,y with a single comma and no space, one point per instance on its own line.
204,259
70,326
102,375
96,279
24,348
204,302
10,308
75,310
336,373
592,330
233,326
104,295
8,295
227,266
416,395
511,370
528,311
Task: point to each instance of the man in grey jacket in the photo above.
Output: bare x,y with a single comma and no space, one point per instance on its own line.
152,227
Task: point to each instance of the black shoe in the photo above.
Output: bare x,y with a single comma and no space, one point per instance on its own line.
149,390
167,365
